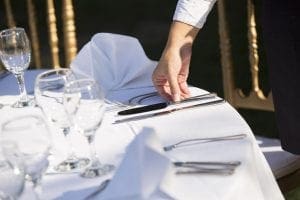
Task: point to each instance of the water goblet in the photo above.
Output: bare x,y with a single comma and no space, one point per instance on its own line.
15,54
32,136
49,88
12,175
84,102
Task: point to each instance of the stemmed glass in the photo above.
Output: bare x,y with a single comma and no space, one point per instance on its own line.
31,134
49,88
15,54
84,102
12,175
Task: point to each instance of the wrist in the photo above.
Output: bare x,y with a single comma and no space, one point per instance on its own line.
181,34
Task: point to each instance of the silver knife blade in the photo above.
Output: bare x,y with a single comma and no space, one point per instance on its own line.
207,163
145,116
158,106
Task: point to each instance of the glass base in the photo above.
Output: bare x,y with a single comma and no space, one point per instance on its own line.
97,170
72,164
21,104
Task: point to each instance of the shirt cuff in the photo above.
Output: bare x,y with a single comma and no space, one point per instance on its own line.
193,12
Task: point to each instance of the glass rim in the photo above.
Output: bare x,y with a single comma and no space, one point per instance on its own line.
78,83
9,31
45,76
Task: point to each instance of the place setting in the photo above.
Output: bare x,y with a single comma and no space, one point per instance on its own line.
99,130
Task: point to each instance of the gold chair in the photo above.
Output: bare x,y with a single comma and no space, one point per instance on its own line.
289,176
36,26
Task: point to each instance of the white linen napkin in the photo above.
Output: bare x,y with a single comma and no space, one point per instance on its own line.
144,173
115,62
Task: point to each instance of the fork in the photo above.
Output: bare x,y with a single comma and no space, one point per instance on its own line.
203,140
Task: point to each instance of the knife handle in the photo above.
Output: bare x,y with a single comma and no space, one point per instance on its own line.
143,109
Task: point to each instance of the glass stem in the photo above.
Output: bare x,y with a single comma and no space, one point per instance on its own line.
22,88
93,152
37,188
71,154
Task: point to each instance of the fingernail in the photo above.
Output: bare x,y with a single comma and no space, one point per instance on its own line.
176,97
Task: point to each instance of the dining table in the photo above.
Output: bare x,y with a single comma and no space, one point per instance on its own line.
252,178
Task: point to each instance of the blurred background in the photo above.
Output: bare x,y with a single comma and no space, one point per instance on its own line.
149,22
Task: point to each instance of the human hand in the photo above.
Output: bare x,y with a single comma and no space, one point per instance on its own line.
171,74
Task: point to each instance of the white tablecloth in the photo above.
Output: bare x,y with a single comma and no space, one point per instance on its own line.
252,180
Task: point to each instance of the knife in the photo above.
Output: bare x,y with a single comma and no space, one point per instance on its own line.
158,106
231,164
145,116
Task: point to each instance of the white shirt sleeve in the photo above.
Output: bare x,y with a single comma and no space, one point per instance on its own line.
193,12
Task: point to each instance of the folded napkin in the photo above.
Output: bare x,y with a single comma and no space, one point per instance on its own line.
144,173
115,62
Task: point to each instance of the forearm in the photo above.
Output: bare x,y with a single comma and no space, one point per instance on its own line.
181,34
193,12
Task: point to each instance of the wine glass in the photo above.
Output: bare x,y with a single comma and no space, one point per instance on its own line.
31,134
12,175
49,88
84,102
15,54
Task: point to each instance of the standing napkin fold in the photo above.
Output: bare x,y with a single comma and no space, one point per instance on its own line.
115,62
144,172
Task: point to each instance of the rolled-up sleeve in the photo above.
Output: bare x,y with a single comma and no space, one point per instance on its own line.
193,12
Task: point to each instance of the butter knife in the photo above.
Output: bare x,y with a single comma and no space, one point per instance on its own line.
158,106
149,115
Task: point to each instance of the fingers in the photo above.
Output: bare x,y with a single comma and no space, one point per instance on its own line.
174,87
163,92
171,87
161,84
185,92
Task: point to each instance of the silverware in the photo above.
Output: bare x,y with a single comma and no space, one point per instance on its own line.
196,167
145,116
205,171
232,164
204,140
99,189
162,105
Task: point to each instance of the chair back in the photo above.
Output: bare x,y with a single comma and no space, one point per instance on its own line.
232,93
43,22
